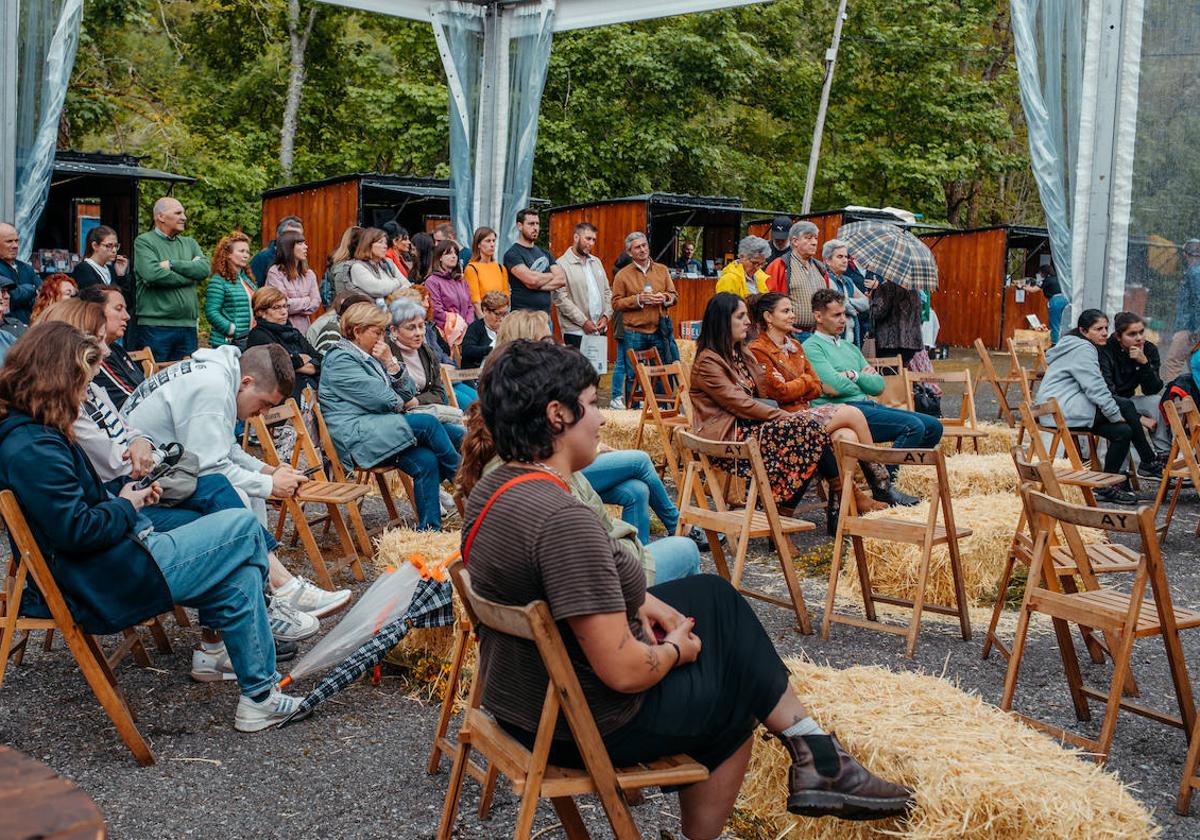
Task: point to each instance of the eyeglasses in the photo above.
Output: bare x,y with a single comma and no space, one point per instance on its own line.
112,246
278,307
499,313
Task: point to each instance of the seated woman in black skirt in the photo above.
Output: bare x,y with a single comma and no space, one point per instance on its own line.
272,327
702,690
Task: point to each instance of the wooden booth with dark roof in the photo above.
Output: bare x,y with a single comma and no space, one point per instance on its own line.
330,206
89,189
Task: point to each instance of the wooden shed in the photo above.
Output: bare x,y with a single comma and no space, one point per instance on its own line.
715,222
330,206
89,189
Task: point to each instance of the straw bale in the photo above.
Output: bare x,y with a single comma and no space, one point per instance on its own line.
620,431
1000,439
977,771
894,566
687,351
396,545
969,475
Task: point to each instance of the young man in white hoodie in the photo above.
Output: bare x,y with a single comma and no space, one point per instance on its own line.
197,402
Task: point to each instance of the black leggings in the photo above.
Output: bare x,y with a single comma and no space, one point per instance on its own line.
1121,435
706,709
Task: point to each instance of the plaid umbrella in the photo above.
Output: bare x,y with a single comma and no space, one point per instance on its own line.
891,252
432,606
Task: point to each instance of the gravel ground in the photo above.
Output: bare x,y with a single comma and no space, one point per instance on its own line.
357,769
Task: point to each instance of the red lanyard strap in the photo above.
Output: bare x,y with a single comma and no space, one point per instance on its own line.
512,482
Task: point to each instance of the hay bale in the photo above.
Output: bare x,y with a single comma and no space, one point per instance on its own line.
620,431
396,545
973,475
894,566
687,351
977,771
1000,439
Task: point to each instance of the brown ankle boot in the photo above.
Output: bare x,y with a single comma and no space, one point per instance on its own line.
865,502
825,781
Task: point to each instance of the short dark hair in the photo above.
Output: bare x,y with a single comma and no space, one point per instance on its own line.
823,297
94,237
760,305
523,212
271,367
582,226
517,384
1124,320
1087,319
715,332
99,293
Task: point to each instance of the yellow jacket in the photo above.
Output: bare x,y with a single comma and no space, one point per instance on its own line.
733,279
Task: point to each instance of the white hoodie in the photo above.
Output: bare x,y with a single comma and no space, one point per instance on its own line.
194,402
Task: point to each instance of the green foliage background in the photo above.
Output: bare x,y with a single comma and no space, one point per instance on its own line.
924,113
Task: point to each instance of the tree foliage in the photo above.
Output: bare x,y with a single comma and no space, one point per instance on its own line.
924,111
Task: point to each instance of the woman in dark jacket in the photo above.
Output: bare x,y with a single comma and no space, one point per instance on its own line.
480,337
113,568
895,319
1128,363
272,327
119,375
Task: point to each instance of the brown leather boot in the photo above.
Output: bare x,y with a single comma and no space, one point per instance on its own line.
865,503
825,781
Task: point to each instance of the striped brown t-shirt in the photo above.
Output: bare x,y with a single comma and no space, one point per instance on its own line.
539,542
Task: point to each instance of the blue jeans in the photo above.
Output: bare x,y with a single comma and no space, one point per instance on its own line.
668,350
904,429
617,388
213,493
465,394
168,344
430,461
674,558
627,478
218,564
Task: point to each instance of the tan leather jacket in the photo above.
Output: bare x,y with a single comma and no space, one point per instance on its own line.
719,395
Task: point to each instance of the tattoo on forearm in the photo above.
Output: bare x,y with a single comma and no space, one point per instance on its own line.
652,658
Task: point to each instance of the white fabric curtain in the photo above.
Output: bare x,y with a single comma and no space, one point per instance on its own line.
48,38
1048,39
496,58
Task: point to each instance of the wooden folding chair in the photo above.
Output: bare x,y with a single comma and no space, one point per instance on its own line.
1122,616
1184,421
987,373
1036,369
1076,475
145,358
362,476
964,426
664,421
332,494
702,504
91,659
649,356
894,386
925,534
452,375
1103,558
530,774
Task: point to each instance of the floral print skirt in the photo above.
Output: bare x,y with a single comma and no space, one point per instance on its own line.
790,447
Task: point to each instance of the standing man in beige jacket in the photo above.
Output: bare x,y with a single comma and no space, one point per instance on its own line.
585,302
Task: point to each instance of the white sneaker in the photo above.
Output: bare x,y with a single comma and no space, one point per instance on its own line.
252,717
289,624
616,404
447,503
212,666
305,596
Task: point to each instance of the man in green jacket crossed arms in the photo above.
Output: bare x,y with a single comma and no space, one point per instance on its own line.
166,267
843,368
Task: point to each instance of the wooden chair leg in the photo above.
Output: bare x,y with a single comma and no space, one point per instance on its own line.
487,791
568,815
159,633
315,558
914,629
835,568
1187,785
350,555
793,584
1001,593
181,618
103,684
462,636
453,791
864,577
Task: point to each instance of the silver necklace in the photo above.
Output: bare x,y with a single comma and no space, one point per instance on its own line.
544,466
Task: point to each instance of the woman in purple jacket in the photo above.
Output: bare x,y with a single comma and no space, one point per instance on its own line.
448,290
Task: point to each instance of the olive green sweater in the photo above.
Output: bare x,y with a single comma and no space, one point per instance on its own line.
166,297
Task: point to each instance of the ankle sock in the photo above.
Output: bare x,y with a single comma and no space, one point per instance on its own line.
260,697
807,726
288,587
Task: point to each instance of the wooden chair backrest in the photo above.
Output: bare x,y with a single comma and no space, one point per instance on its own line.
533,622
966,412
1183,418
705,482
1040,477
850,454
1019,373
987,370
667,387
452,375
894,388
288,414
31,561
674,383
145,358
1060,434
325,440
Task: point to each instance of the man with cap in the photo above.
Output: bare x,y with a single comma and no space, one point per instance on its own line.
23,280
780,226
